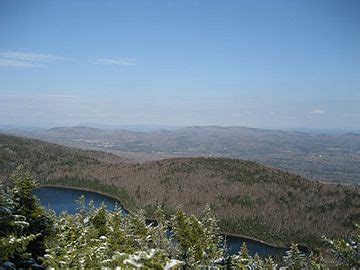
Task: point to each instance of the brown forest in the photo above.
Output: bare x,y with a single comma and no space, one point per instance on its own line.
248,198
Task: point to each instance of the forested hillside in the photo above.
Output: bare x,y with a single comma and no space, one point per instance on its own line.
248,198
32,237
327,157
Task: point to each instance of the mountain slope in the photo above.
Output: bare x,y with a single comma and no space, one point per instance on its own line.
326,157
248,198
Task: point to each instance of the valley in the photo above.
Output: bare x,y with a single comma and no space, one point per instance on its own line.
248,198
324,157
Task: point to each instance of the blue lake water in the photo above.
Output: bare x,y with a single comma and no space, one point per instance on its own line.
234,244
64,199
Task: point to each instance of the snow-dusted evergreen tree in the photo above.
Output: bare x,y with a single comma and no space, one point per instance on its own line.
212,239
269,264
100,238
13,241
294,259
317,263
163,238
257,262
24,223
142,234
197,238
243,260
347,250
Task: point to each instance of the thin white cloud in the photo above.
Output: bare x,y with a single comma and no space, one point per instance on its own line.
19,63
317,111
117,61
31,56
27,59
31,60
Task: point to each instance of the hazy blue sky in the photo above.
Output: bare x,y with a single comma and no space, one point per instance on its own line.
273,64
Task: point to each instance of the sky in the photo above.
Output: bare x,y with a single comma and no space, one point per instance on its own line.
265,64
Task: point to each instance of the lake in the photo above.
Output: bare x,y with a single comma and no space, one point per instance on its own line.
64,199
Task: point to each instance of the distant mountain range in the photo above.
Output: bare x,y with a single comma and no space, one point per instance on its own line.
327,157
248,198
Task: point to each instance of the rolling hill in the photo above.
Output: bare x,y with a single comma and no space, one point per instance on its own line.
249,198
325,157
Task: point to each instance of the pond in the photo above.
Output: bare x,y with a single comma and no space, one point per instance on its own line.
64,199
234,244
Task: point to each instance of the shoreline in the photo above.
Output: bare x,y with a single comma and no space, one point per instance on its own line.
284,246
87,190
221,233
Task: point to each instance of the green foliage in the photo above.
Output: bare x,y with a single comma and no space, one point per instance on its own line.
346,251
7,216
243,260
251,226
12,227
24,223
162,241
317,263
196,238
23,189
40,221
15,245
99,238
294,259
269,264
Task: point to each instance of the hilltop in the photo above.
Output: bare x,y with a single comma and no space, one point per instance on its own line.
248,198
326,157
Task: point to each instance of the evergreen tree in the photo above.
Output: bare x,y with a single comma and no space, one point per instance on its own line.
294,259
13,241
28,206
243,260
197,240
257,262
317,263
163,238
347,250
269,264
